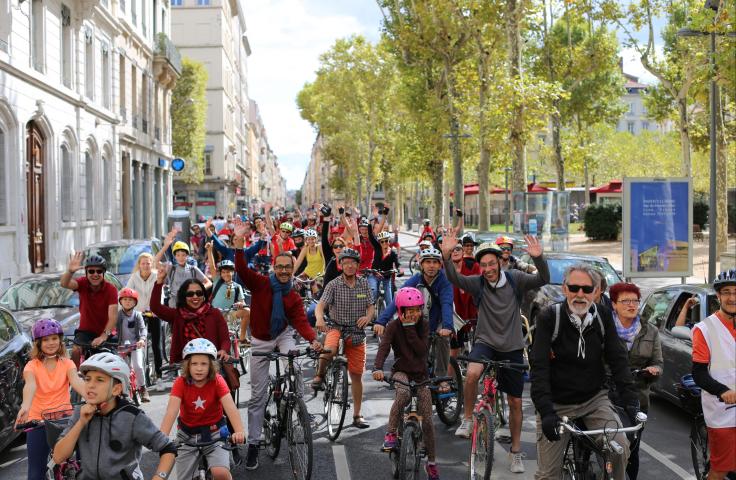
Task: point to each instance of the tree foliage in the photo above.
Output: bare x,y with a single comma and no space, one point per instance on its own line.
188,119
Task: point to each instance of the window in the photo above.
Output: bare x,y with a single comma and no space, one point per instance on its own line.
106,74
37,43
66,46
144,102
630,127
134,95
121,72
4,28
176,3
645,125
89,66
3,180
134,11
203,2
208,163
89,184
67,184
632,110
656,307
144,19
108,186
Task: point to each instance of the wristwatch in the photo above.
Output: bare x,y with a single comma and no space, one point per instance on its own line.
108,332
163,475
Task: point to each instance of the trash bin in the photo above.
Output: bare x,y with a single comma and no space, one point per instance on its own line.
180,220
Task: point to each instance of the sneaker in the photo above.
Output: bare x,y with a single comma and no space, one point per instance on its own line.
465,428
516,465
251,461
237,459
389,441
144,395
432,472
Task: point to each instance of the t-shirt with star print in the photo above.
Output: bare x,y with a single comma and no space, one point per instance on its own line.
200,406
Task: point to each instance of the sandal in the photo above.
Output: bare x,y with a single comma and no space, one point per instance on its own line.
358,422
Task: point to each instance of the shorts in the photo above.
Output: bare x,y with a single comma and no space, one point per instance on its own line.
720,443
509,381
187,459
354,353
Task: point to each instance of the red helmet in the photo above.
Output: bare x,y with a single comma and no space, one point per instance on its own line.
504,239
128,293
408,297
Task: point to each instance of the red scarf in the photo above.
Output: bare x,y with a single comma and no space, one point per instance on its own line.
194,321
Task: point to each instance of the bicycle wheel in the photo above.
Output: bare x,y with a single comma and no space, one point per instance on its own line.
271,427
380,305
482,445
409,457
244,359
149,367
699,449
413,265
299,440
568,470
502,410
450,404
336,398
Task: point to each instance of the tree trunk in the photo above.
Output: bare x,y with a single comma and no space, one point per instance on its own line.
557,145
516,135
684,127
485,153
437,194
721,229
368,177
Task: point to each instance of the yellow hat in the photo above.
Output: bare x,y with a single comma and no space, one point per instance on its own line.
180,246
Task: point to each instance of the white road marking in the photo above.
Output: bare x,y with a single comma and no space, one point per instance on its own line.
342,470
12,462
676,469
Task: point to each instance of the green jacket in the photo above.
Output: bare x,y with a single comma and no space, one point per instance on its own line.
646,352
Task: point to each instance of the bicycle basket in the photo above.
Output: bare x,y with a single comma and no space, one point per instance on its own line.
689,398
55,422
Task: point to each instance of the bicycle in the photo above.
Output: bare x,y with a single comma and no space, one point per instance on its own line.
125,351
149,368
485,416
578,462
286,413
203,469
55,422
238,350
380,275
448,404
689,394
406,456
86,351
336,402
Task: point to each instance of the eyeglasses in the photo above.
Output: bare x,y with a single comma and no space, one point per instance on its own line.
487,265
458,249
283,267
506,249
338,246
629,301
576,288
95,271
384,241
195,293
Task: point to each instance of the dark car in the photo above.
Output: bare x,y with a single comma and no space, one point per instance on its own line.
41,296
537,299
121,255
661,309
15,349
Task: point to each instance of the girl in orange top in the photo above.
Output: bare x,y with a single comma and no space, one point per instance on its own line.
47,379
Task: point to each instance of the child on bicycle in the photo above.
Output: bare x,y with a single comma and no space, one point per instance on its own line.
409,340
228,294
198,398
131,329
47,379
108,431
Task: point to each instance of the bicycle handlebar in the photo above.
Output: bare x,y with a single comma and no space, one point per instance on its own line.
565,424
273,355
28,425
227,443
413,384
495,363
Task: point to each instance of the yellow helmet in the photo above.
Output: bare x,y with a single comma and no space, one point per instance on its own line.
180,246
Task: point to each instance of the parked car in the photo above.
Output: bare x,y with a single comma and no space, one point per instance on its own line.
15,349
121,255
661,309
537,299
41,296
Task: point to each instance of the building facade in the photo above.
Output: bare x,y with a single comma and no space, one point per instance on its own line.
62,168
636,118
316,186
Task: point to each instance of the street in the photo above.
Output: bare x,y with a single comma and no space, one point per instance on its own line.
665,452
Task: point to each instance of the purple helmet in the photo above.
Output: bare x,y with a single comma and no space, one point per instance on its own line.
45,327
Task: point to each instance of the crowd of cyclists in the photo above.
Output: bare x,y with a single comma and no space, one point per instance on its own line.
256,271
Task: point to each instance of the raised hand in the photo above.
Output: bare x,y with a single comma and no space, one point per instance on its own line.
207,229
534,247
267,208
240,229
75,261
449,240
162,269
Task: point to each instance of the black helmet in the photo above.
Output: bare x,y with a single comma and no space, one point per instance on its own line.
95,261
297,233
363,222
349,253
467,238
724,279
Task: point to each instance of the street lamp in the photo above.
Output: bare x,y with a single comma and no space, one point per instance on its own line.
712,214
506,206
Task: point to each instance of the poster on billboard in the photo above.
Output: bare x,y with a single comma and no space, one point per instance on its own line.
657,227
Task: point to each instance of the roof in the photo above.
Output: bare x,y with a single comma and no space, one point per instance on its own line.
614,186
632,82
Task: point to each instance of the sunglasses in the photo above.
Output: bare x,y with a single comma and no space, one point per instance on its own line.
195,293
384,241
576,288
95,271
506,249
338,246
457,249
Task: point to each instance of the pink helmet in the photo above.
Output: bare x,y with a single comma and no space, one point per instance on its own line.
46,327
408,297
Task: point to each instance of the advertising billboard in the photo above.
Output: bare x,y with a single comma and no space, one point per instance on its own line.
657,227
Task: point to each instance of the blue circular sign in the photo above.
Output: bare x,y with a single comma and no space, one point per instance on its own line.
177,164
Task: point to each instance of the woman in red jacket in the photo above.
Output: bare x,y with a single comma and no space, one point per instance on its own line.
193,317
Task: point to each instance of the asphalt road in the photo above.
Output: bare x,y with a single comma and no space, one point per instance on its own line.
356,455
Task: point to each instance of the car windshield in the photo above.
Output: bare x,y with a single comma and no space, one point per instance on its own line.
120,259
557,267
38,293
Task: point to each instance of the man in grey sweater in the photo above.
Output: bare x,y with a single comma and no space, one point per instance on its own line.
498,334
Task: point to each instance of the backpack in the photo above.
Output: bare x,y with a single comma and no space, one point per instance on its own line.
509,278
219,284
556,330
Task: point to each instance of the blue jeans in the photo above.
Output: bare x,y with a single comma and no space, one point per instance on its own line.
373,282
310,313
38,453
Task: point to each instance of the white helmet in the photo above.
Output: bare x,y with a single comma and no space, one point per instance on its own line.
430,253
200,346
383,236
109,364
310,233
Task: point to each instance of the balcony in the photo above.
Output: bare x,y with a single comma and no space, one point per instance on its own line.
166,61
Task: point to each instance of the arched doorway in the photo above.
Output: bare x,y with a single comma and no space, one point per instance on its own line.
34,166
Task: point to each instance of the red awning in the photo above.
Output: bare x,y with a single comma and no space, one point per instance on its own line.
614,186
537,188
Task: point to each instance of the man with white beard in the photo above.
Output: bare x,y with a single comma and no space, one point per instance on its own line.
573,342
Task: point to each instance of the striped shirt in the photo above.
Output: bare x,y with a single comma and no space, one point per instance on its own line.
348,304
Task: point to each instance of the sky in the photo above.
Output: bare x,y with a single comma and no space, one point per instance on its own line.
286,38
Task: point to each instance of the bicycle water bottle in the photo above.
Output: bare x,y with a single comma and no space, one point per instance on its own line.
224,432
